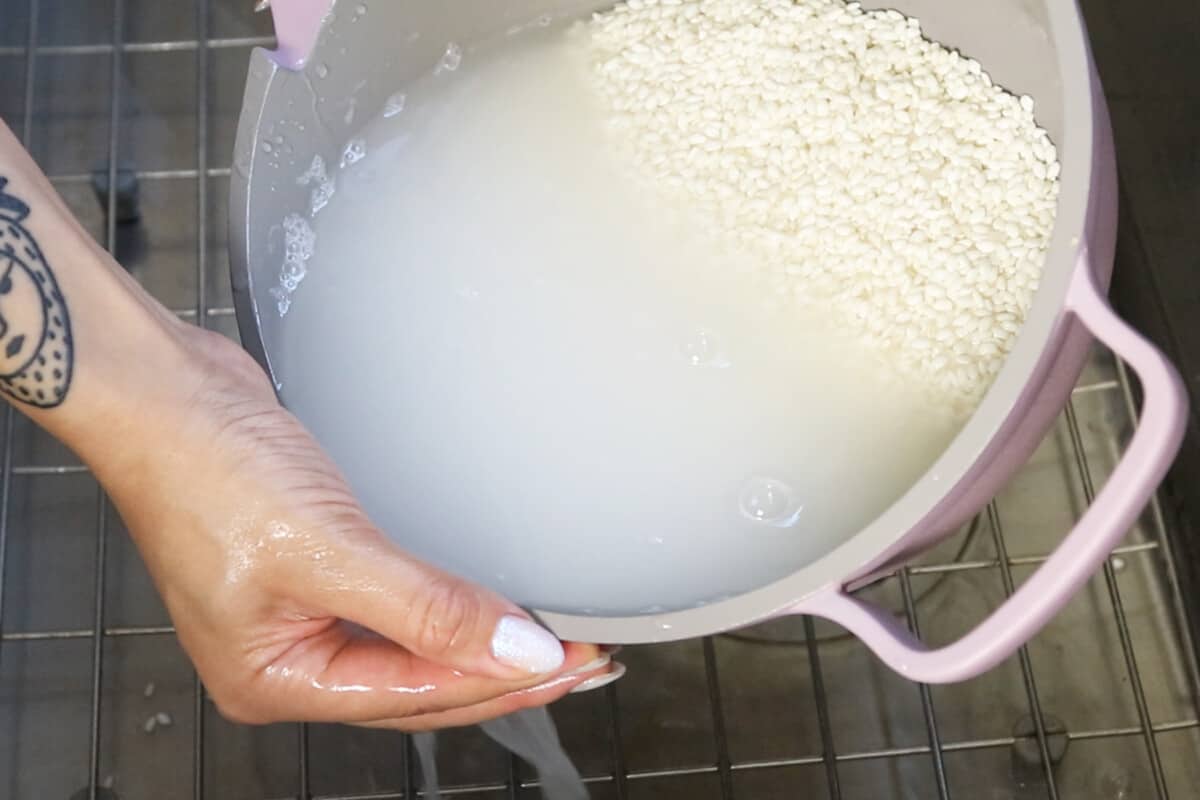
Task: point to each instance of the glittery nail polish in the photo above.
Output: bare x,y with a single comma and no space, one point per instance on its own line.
522,643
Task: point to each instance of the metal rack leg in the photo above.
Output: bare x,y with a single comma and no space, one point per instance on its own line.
828,751
1035,702
6,463
114,128
620,779
935,736
724,763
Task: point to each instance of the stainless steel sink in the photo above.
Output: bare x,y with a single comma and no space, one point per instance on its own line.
1103,704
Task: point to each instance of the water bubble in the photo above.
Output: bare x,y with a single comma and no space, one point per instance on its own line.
704,348
451,59
356,150
395,105
544,20
322,70
770,502
299,243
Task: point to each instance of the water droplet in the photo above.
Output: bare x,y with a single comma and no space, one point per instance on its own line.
544,20
704,349
278,139
322,71
657,541
770,502
360,10
395,105
351,110
451,59
267,148
665,626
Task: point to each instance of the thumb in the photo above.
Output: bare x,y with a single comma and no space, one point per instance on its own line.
435,615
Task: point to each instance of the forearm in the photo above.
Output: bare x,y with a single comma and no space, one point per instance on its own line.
84,351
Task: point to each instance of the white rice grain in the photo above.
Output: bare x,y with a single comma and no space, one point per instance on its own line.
862,166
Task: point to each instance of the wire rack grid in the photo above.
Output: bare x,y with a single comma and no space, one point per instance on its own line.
837,758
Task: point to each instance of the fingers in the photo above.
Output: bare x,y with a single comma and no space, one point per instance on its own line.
339,675
433,614
538,696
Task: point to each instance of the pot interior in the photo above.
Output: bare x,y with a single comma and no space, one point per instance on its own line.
361,62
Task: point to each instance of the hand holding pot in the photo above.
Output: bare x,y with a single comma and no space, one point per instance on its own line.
292,605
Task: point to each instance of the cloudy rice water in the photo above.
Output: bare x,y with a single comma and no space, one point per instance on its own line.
643,312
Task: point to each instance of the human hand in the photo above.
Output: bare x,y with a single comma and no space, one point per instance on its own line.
291,604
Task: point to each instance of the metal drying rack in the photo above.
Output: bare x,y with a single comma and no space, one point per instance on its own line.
1039,742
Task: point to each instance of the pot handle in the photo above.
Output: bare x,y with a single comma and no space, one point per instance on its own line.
1114,510
297,24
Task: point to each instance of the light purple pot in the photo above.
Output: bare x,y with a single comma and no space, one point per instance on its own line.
1038,47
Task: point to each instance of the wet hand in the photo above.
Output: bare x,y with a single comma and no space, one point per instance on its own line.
292,605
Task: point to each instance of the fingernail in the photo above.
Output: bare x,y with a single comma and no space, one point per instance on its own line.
522,643
600,681
603,661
